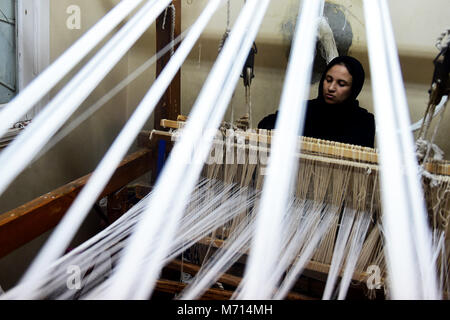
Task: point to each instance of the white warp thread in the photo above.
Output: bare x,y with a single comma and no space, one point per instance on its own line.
68,226
39,87
278,183
408,240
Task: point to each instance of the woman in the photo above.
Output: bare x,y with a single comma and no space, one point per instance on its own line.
335,114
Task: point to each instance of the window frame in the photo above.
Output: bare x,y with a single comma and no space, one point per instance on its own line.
6,20
32,45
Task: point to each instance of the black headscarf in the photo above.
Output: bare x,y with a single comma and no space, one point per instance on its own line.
356,70
346,122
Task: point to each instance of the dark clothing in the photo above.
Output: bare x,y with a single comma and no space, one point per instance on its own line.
323,121
346,122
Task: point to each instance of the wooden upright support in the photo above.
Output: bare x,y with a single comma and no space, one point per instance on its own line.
169,105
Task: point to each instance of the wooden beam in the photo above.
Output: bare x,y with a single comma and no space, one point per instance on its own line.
23,224
169,105
436,167
192,269
149,139
227,279
321,269
169,286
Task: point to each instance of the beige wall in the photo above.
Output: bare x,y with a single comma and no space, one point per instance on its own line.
416,25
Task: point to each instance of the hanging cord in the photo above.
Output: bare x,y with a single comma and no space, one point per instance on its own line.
418,124
227,30
245,121
228,14
249,105
199,55
424,147
440,82
221,44
224,38
432,145
438,100
172,31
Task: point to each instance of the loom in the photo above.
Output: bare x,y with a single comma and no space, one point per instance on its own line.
333,223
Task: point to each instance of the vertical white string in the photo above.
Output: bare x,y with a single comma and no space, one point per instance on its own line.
422,231
339,250
307,251
403,209
359,234
282,163
183,166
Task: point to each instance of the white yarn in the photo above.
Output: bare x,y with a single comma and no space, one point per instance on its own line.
38,88
20,153
108,96
423,146
338,254
160,228
408,240
220,262
212,205
279,181
68,226
359,234
440,107
162,212
306,253
328,47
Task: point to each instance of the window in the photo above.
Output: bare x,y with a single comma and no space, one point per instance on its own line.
24,44
8,70
24,52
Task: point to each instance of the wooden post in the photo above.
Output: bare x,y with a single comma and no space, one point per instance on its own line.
169,105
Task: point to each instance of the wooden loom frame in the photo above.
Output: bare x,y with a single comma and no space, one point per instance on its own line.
26,222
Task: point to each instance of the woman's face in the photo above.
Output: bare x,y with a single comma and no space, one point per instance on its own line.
337,85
